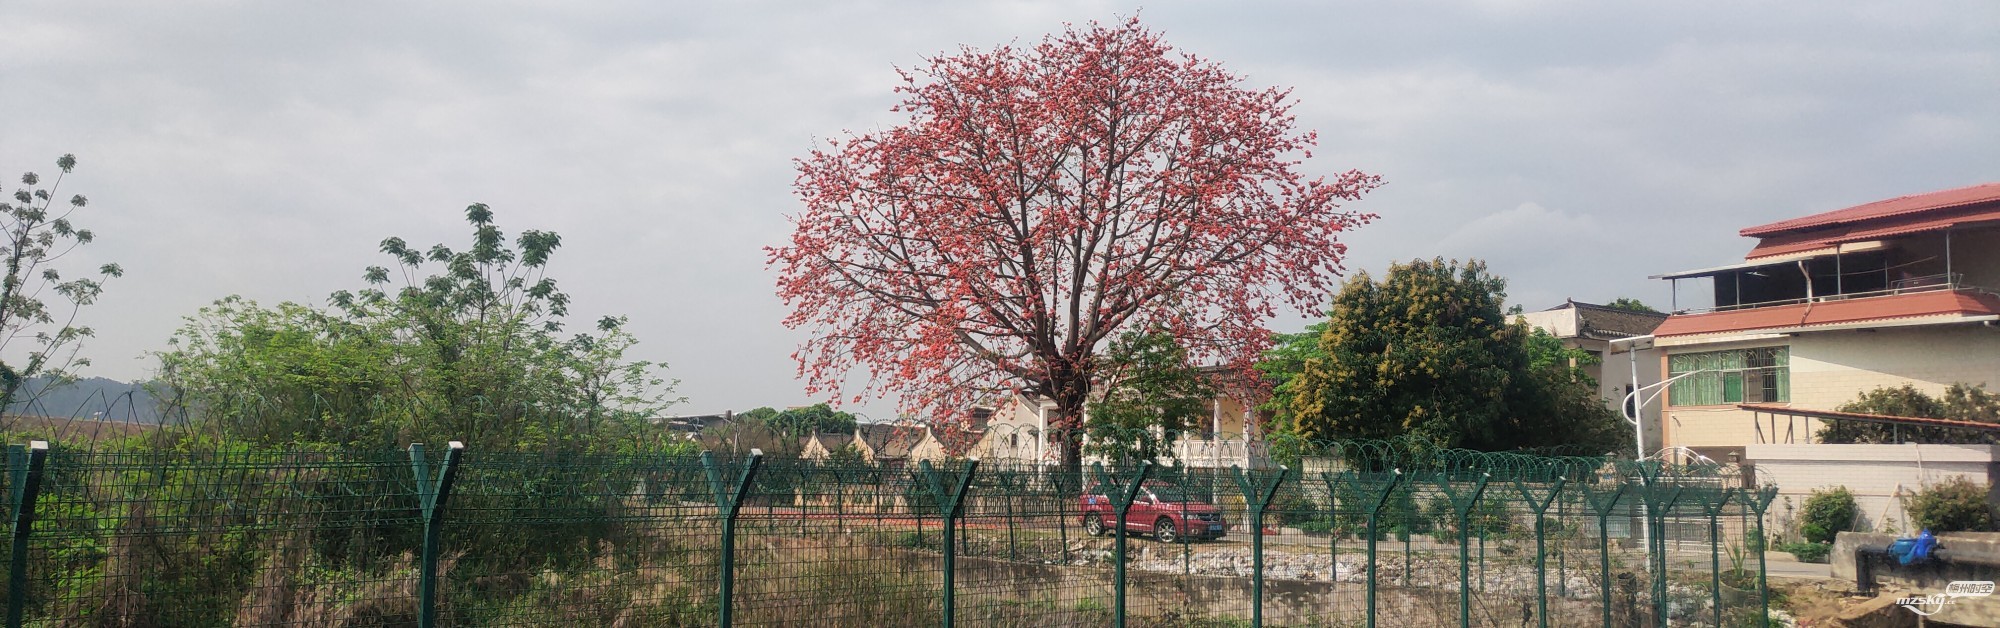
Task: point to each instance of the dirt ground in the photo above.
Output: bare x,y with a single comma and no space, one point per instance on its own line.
1816,603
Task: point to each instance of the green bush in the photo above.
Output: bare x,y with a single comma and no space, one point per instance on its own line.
1295,509
1487,517
1399,512
1952,506
1828,513
1807,552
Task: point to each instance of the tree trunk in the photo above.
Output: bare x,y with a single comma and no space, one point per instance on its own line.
1068,429
10,385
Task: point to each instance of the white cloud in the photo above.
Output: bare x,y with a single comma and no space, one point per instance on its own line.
264,149
1527,229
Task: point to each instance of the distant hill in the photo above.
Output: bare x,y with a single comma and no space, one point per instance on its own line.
72,430
89,398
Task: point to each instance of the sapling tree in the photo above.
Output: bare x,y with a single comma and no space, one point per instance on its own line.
454,344
39,335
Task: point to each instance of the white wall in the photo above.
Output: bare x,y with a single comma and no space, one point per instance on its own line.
1880,476
1616,376
1012,433
1559,323
1829,369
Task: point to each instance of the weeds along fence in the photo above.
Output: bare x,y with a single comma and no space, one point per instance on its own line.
1364,534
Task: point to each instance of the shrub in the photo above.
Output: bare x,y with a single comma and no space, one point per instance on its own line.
1828,513
1807,552
1487,517
1295,509
1955,505
1399,512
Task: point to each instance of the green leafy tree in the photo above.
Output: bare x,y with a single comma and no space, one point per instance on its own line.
1558,385
814,419
744,434
1631,305
1281,366
1151,393
1962,402
38,305
1428,352
478,330
474,352
285,374
605,389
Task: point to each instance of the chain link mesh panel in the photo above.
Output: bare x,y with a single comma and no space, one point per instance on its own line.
227,535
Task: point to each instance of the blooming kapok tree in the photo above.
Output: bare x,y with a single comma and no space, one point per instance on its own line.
1036,203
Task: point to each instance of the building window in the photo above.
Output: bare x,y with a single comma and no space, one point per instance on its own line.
1761,375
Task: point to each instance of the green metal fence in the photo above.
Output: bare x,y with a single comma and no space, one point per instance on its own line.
1374,534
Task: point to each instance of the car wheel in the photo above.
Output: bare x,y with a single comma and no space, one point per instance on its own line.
1165,531
1094,526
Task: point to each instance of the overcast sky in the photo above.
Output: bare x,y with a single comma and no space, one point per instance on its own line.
265,149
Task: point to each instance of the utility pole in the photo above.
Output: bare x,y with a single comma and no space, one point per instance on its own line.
1634,408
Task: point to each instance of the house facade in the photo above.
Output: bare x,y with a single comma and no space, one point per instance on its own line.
822,446
1828,306
886,443
1230,436
902,442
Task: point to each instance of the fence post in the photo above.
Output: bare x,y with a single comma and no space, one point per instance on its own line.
1602,504
728,502
1011,484
1333,482
431,497
808,472
1257,496
1122,501
1541,507
1463,508
950,506
1760,502
24,478
1562,551
1181,478
840,470
1660,501
1713,504
1376,498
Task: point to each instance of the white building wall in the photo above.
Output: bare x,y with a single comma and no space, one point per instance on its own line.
1881,477
1615,379
1830,369
1013,433
1559,323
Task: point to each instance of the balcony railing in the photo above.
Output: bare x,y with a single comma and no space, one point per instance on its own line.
1912,285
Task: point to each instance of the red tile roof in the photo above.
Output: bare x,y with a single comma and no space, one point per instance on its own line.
1794,242
1884,308
1901,205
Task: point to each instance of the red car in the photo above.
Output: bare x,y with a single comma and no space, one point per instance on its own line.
1161,509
